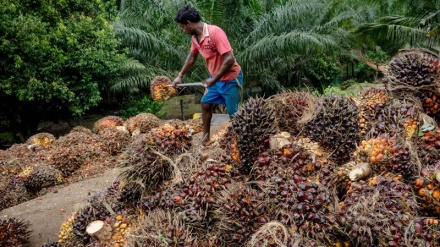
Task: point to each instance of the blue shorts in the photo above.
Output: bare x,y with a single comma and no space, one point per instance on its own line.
227,93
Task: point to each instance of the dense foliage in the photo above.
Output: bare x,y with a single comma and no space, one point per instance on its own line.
56,58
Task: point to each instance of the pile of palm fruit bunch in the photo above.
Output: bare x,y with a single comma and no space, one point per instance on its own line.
14,232
161,89
109,122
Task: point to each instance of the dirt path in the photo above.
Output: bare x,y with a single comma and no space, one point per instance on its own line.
48,212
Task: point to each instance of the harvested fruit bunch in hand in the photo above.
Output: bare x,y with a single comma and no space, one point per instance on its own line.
160,89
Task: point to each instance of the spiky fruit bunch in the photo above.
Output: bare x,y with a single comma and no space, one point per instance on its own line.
275,234
253,123
399,118
160,89
91,212
289,108
430,102
370,101
14,232
109,122
373,212
378,151
161,228
13,193
427,187
196,125
413,69
240,211
195,198
423,232
66,234
228,142
429,147
69,159
41,139
160,199
42,176
114,141
335,126
142,123
81,129
303,204
288,159
170,139
131,193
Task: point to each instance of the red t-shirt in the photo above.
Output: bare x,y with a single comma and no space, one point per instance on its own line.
213,45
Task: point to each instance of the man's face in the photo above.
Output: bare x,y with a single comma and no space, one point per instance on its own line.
187,28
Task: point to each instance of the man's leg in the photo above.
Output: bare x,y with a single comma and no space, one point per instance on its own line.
206,119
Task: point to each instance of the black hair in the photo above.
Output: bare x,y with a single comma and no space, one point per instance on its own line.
187,13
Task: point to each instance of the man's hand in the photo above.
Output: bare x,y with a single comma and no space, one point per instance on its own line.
177,80
209,82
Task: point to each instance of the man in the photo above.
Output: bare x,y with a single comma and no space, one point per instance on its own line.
226,79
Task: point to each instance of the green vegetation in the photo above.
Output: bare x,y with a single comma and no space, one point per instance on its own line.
140,104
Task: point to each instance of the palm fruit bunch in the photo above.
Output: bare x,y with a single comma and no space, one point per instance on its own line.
14,232
398,118
430,102
142,123
427,188
429,146
41,140
240,211
81,129
289,108
275,234
76,137
253,123
369,101
51,244
131,193
335,126
162,198
403,161
228,142
377,151
161,228
196,197
374,212
195,124
290,158
69,159
413,69
13,193
93,211
66,234
424,232
121,227
160,89
108,122
170,140
304,205
114,141
41,177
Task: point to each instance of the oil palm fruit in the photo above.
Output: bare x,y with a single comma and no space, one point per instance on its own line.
228,142
374,211
42,176
430,102
114,141
161,228
240,211
142,123
110,122
335,126
253,123
429,146
14,232
307,206
91,212
160,89
66,234
427,188
131,193
51,244
369,102
289,108
14,193
41,139
412,69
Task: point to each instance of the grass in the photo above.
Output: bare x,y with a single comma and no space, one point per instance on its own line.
172,107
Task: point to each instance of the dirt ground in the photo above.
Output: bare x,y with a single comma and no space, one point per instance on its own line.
48,212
